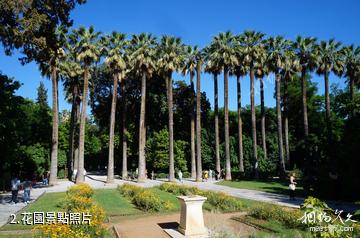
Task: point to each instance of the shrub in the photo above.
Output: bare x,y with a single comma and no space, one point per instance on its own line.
179,189
215,200
78,200
82,190
128,190
148,201
144,199
221,201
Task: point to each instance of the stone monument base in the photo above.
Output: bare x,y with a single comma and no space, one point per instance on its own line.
173,233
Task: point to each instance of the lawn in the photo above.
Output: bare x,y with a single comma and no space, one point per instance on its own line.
265,186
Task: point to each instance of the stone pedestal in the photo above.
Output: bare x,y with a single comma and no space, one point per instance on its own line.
191,217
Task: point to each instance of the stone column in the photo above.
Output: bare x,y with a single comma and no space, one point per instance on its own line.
191,217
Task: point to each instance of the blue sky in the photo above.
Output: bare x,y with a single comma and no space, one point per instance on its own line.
196,22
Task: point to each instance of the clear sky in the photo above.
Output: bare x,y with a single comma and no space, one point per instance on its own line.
197,21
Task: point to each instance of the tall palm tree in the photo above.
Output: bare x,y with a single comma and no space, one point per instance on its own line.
114,46
189,67
276,56
85,41
253,52
261,70
171,51
239,71
223,54
124,139
142,61
304,49
290,67
351,59
70,73
328,59
50,69
215,70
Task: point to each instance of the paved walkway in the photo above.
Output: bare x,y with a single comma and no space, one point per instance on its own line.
99,182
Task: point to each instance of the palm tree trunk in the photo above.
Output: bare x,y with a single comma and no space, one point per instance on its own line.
240,141
72,134
110,168
124,173
142,132
305,115
327,105
226,120
198,124
279,124
286,120
171,129
55,128
253,121
80,173
263,134
216,119
351,90
76,143
192,125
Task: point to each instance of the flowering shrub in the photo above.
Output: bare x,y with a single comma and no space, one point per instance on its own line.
82,190
290,218
215,200
78,200
58,231
179,189
144,199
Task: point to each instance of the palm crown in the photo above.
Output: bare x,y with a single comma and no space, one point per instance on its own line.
328,57
114,49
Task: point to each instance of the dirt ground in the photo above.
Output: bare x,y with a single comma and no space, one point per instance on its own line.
152,226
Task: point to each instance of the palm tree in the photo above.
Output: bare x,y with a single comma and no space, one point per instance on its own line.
223,54
142,61
114,46
70,73
304,49
85,41
50,69
290,67
190,68
351,58
215,69
239,71
124,173
171,52
276,56
328,59
261,70
253,52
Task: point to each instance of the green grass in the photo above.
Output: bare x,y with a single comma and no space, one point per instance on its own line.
113,203
265,186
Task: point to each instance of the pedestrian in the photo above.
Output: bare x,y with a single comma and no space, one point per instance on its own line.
15,184
152,175
180,176
292,186
210,174
27,187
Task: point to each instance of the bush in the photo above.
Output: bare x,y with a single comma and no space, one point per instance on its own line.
179,189
82,190
78,200
215,200
289,218
221,201
148,201
144,199
161,175
128,190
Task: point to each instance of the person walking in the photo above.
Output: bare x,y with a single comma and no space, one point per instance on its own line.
27,187
180,175
15,184
292,186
